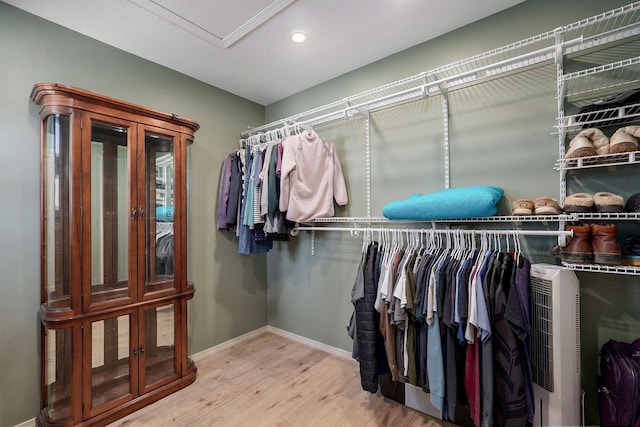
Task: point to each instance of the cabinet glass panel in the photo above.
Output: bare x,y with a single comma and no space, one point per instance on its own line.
109,212
159,194
57,211
159,345
110,369
189,236
57,373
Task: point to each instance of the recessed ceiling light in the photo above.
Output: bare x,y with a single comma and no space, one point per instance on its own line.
298,37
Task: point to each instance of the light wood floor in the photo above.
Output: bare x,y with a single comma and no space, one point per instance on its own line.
271,380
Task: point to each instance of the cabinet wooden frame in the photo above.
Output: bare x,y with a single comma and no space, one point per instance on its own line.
84,308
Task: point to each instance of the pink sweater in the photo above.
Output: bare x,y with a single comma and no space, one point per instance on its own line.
311,178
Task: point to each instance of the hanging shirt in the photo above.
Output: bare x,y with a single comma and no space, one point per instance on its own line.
510,405
264,179
518,315
225,187
235,190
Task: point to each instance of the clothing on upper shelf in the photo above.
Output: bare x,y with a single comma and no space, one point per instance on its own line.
301,173
453,321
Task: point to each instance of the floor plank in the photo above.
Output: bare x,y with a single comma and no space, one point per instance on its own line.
270,380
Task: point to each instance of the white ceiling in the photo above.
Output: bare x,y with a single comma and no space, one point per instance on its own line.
243,46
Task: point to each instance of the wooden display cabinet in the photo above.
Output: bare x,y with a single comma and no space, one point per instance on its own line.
114,286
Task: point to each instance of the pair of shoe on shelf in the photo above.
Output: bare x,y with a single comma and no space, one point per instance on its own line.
593,142
592,243
539,206
603,202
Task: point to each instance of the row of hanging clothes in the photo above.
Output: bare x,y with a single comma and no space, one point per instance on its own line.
447,311
275,180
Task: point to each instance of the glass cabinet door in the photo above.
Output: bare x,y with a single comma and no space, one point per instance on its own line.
58,373
110,211
112,374
158,332
56,205
158,198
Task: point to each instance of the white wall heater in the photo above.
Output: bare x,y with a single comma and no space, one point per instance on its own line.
555,337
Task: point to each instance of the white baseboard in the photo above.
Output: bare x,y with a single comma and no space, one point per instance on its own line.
28,423
249,335
233,341
312,343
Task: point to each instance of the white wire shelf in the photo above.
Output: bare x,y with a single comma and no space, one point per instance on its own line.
507,59
496,218
610,77
599,268
601,118
618,216
606,28
604,160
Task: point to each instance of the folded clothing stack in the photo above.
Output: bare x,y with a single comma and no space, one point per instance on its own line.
451,203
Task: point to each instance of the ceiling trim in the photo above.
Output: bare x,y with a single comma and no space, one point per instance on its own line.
179,20
223,42
260,18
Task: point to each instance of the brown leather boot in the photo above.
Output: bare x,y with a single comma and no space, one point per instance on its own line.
605,244
578,250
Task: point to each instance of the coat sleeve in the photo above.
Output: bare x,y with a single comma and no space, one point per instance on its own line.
223,195
288,164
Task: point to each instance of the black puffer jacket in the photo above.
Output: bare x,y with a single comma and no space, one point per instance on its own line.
367,320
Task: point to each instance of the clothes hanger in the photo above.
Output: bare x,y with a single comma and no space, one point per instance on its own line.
474,241
484,241
518,250
409,244
468,237
455,239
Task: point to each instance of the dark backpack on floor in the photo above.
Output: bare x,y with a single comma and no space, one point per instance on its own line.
619,384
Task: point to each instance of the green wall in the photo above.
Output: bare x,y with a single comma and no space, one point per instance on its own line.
231,290
500,133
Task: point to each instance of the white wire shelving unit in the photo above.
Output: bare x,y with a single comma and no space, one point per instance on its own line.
610,40
606,63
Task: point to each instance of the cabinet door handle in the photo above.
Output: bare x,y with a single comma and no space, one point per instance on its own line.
135,352
141,351
133,212
140,212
